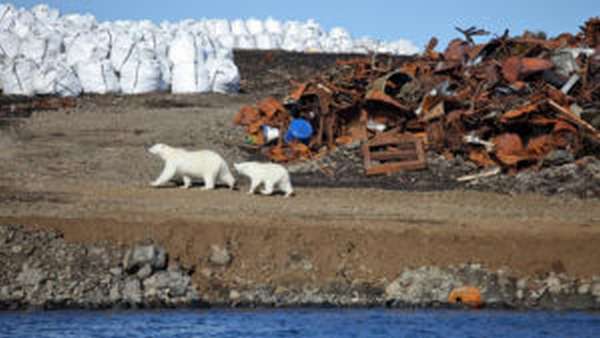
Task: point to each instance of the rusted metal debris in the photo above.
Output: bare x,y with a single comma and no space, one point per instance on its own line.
506,103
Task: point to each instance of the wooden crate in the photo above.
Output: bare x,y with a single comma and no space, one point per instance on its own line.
389,153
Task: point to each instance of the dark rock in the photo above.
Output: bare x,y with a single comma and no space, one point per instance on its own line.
139,256
5,234
144,272
558,157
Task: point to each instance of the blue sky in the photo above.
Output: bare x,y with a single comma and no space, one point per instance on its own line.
415,20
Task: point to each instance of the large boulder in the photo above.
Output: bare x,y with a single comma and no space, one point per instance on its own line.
139,256
426,285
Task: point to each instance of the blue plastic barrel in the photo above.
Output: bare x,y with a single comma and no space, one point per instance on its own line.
299,129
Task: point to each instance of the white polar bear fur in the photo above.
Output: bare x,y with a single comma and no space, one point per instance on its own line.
274,177
204,164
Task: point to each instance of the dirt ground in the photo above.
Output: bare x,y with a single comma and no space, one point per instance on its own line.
85,172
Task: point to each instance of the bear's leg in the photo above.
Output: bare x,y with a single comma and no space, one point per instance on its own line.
187,182
286,187
228,179
209,182
253,185
167,174
268,189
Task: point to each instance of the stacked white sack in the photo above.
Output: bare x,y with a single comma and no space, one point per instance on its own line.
55,77
141,74
225,76
190,56
97,77
136,59
188,53
17,77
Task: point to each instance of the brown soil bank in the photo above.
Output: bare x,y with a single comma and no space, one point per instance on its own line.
84,171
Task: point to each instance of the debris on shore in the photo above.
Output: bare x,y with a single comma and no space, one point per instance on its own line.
512,103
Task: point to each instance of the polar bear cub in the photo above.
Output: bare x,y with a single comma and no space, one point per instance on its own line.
273,176
204,164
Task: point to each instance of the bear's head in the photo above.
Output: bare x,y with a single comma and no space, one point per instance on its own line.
240,167
158,149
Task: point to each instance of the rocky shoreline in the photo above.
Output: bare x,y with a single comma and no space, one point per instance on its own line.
40,270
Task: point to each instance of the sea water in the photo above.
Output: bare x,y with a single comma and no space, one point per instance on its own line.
299,323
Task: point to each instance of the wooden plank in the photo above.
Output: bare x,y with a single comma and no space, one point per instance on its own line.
395,155
389,168
391,139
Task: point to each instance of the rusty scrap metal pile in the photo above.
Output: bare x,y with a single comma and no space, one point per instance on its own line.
507,103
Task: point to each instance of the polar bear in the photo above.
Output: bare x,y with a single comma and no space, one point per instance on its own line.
273,176
204,164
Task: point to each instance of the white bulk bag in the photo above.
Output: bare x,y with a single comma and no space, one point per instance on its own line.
24,23
404,47
10,44
190,78
311,30
123,47
226,41
345,45
238,27
183,48
55,78
162,45
264,41
7,16
292,43
292,28
41,48
339,33
221,27
78,23
273,26
97,77
165,73
17,77
312,45
45,13
149,39
224,73
245,42
89,46
140,75
365,45
254,26
146,26
205,48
